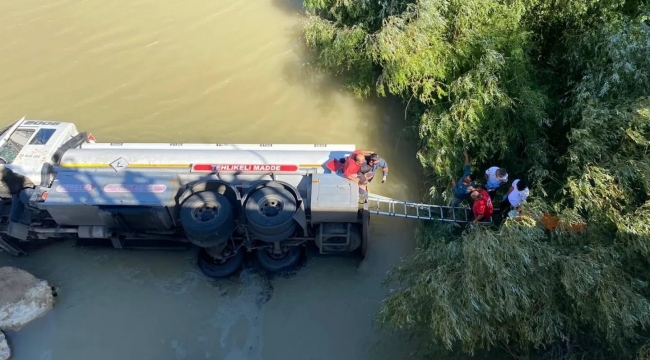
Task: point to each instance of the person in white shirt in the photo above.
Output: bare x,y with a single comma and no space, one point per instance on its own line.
517,194
495,178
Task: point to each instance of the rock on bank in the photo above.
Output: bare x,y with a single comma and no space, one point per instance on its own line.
5,353
23,298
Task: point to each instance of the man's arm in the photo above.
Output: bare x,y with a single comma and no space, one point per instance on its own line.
348,174
353,178
384,167
478,218
508,193
466,157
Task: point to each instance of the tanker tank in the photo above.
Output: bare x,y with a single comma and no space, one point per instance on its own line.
226,199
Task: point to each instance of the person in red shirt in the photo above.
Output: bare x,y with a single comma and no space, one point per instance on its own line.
482,207
352,166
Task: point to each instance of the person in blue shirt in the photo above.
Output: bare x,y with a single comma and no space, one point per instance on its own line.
465,185
376,162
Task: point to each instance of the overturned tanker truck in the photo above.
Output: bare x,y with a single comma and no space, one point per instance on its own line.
226,199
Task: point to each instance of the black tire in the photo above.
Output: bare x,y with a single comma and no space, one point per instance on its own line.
289,260
270,210
277,237
219,269
207,218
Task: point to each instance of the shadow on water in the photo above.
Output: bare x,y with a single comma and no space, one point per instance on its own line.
319,85
290,6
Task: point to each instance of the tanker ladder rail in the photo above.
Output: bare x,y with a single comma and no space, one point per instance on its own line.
381,205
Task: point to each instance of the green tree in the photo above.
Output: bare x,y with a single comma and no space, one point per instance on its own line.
556,90
465,63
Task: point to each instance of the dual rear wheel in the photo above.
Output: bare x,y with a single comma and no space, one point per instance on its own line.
269,213
208,220
227,263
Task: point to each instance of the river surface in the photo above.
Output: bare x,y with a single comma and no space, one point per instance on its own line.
198,71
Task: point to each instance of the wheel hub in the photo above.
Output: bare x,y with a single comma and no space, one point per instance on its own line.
205,214
271,207
278,255
218,254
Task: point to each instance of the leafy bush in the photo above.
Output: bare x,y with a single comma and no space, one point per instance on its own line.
558,91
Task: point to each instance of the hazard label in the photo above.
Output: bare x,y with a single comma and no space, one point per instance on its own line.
245,167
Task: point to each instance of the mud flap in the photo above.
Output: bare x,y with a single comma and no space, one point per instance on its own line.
365,231
19,219
18,230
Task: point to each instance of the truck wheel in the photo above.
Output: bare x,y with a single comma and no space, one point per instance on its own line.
270,211
216,268
287,261
207,219
276,237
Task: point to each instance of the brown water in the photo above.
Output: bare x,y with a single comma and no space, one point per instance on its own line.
197,71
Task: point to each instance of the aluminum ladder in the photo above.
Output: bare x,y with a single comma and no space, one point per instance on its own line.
381,205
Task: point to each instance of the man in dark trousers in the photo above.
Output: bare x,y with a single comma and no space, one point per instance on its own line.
464,186
517,194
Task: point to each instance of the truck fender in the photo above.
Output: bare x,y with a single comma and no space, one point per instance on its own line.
300,214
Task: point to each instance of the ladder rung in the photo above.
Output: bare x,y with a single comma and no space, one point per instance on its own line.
390,209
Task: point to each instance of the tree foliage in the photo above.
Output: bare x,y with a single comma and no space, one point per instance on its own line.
558,91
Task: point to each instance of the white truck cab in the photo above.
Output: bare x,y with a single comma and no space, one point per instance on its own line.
27,145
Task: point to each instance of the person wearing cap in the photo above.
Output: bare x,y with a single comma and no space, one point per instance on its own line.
495,178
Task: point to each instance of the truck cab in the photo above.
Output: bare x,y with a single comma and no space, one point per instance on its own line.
29,146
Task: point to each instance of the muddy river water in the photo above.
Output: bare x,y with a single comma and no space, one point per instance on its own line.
198,71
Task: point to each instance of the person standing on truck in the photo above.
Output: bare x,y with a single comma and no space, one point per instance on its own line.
495,177
464,186
482,208
517,194
376,162
352,166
